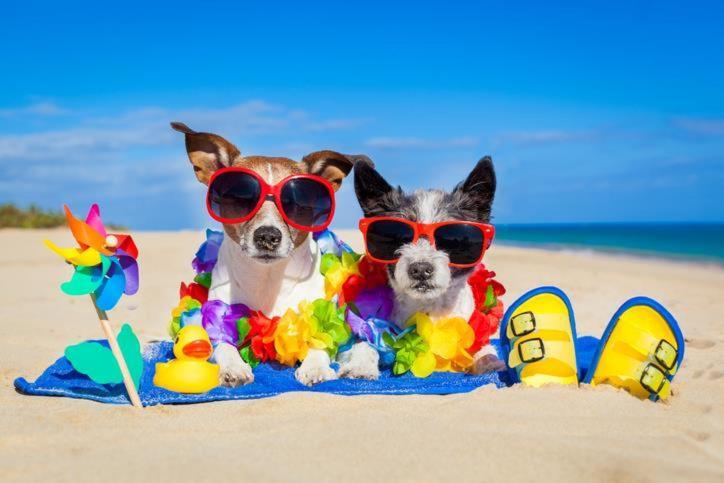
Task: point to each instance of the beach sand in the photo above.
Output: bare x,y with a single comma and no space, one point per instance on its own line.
547,434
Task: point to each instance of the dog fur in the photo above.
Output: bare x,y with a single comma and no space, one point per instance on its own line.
270,276
444,290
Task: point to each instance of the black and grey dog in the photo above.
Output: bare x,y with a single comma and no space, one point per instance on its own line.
422,278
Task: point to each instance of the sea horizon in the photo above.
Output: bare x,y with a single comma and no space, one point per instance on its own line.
687,241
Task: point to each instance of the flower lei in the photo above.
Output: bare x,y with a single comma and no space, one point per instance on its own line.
446,344
425,346
357,307
319,324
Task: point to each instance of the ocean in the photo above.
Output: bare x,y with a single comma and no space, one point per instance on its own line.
691,241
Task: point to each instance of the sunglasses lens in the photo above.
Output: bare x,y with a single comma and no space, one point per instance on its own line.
385,237
233,195
306,202
463,243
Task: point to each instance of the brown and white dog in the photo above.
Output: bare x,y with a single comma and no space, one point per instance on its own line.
265,263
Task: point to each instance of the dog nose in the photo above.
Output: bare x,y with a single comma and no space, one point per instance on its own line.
267,238
420,271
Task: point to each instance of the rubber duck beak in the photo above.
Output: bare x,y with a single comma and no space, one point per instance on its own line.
199,349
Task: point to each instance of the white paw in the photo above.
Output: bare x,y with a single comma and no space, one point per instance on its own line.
360,370
233,371
311,375
360,362
315,368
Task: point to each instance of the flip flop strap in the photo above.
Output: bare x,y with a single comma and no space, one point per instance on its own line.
545,345
659,351
528,322
649,375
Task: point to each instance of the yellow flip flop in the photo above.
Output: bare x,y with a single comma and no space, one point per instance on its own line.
538,337
640,351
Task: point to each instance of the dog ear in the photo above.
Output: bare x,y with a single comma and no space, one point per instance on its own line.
207,152
477,192
374,193
331,165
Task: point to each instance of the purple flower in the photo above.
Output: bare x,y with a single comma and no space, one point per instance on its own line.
219,320
370,330
208,252
375,302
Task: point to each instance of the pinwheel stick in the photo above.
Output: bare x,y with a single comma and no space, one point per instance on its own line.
108,330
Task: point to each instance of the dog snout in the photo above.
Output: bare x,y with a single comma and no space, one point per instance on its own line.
267,238
420,271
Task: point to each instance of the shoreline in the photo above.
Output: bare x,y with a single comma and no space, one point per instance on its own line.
616,252
353,234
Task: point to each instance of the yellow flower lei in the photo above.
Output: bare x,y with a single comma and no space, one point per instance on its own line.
337,270
447,341
316,325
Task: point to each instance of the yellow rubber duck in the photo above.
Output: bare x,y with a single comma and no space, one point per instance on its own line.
190,372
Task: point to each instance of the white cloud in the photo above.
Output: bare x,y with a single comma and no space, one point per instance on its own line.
93,137
419,143
701,126
542,137
75,143
43,109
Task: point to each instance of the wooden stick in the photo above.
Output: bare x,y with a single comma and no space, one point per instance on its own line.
108,331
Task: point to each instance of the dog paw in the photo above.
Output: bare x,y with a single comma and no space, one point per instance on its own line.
310,374
233,371
359,370
361,362
236,376
487,363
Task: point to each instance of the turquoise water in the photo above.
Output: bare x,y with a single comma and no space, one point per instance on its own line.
672,240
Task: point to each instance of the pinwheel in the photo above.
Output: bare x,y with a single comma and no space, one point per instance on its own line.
105,264
105,268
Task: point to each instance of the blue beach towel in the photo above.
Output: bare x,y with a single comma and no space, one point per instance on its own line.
60,379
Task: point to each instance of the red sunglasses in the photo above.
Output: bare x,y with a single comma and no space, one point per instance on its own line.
305,201
464,242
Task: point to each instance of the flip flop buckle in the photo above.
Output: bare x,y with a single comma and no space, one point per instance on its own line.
653,379
531,350
666,354
523,324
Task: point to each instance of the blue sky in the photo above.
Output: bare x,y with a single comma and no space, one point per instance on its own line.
613,112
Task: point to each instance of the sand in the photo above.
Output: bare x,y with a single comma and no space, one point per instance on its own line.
547,434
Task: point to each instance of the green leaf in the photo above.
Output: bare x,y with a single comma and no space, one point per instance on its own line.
95,361
174,327
203,279
388,339
348,258
244,353
328,261
490,299
248,355
243,327
191,305
399,369
323,310
406,357
131,350
332,329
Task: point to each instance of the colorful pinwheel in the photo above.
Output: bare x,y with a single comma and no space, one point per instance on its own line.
105,268
105,264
